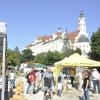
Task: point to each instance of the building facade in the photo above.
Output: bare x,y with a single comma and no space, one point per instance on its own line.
61,39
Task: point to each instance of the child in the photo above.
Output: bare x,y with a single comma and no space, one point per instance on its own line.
60,86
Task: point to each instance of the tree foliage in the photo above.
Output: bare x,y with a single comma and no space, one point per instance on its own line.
26,56
68,52
48,58
17,50
41,58
78,50
13,57
95,45
53,57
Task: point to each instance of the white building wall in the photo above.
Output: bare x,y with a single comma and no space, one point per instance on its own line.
84,46
37,48
54,45
57,45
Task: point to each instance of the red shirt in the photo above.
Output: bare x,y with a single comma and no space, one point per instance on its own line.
34,75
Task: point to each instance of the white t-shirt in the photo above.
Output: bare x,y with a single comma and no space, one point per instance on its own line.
39,75
95,75
60,85
79,75
12,76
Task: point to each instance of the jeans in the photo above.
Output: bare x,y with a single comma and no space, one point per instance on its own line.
86,94
12,83
96,83
30,87
59,92
72,79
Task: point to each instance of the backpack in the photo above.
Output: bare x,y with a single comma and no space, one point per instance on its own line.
26,76
30,77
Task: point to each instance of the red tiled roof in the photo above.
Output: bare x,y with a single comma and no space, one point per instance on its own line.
45,38
71,36
58,34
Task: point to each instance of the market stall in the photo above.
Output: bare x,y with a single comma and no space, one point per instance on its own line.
73,62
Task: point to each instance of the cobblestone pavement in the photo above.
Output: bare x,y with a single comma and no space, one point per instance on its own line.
70,95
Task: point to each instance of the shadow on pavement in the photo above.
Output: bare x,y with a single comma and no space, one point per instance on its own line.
47,97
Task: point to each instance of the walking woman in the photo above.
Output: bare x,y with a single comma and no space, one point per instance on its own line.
60,86
30,80
86,86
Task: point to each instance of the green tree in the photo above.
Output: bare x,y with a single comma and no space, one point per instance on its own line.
17,50
48,58
53,57
13,57
78,50
26,56
41,58
95,45
68,52
57,56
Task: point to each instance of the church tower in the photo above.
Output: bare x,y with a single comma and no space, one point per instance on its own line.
82,25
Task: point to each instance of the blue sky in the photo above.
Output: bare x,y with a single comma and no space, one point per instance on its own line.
27,19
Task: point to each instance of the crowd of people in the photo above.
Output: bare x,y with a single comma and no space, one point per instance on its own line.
87,80
43,79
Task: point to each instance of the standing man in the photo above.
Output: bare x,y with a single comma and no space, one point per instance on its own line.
12,79
47,78
72,75
48,82
96,80
79,78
